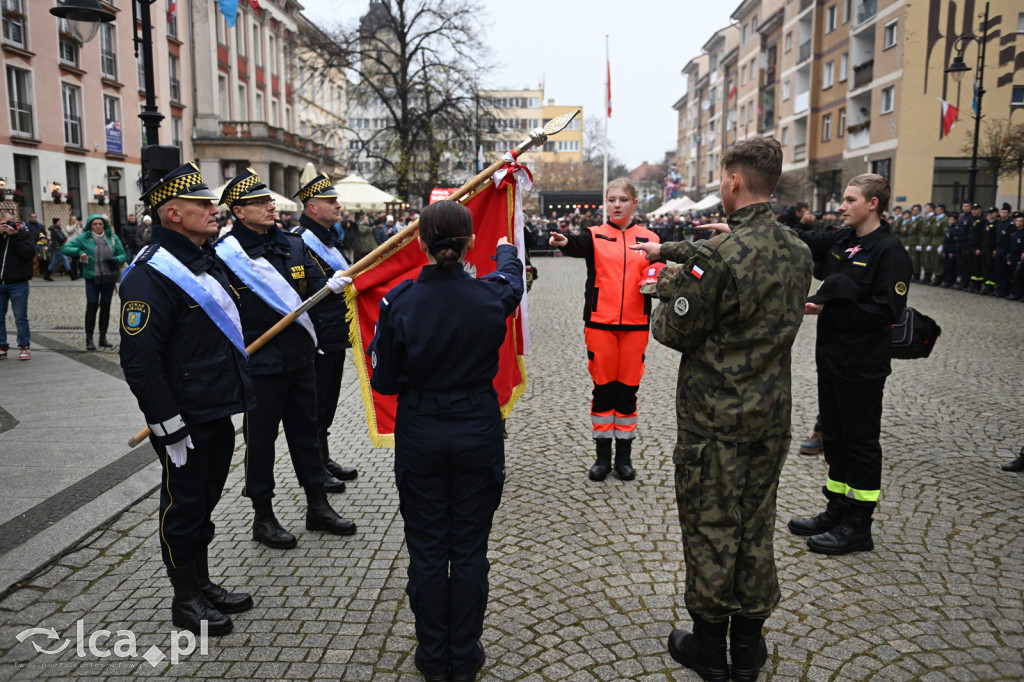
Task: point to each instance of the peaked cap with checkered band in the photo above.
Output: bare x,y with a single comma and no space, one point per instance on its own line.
244,186
185,182
319,187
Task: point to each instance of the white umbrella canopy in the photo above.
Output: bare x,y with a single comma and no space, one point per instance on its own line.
356,194
283,203
308,173
710,201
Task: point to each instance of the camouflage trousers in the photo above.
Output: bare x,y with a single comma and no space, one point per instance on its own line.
726,496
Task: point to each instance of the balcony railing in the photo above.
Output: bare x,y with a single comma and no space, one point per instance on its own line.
263,131
804,52
858,139
863,73
800,151
21,120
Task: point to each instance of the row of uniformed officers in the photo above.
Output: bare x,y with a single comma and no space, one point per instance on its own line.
189,310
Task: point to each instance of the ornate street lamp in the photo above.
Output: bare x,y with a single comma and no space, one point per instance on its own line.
83,16
957,70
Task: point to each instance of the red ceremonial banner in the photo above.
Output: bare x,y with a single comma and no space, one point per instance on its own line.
493,210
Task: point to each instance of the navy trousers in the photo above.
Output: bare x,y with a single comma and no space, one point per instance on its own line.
449,470
287,398
329,367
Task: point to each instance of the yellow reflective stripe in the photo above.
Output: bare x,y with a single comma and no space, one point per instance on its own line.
836,487
863,495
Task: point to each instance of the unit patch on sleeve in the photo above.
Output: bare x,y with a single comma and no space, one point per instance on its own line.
901,288
681,306
134,316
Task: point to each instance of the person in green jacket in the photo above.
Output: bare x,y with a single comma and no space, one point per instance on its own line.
102,255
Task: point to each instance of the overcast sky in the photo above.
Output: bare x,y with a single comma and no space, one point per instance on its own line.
562,43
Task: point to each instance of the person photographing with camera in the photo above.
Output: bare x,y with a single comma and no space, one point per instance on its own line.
17,249
101,254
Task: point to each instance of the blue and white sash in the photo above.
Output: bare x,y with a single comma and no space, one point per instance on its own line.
328,254
207,292
264,280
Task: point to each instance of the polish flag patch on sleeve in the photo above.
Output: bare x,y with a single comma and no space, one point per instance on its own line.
697,271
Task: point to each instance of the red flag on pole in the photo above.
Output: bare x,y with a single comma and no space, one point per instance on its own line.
609,94
732,91
949,115
494,212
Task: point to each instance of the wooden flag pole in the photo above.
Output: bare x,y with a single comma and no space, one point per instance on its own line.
538,136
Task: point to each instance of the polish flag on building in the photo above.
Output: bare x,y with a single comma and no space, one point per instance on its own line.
949,114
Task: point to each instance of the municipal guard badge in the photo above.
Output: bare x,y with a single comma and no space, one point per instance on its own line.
134,316
681,306
901,288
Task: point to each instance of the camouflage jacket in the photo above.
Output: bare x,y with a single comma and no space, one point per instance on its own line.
733,304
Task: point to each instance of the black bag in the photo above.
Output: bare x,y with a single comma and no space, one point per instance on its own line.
914,335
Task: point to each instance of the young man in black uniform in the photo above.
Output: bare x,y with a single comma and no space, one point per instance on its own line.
184,359
273,272
1004,228
863,293
988,251
320,210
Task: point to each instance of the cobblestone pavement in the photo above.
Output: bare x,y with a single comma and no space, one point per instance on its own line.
586,577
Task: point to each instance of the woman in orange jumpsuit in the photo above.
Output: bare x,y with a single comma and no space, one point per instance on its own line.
616,324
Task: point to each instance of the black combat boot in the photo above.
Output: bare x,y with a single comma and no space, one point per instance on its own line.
1016,464
320,516
104,323
603,464
703,650
823,522
333,468
332,484
221,599
853,534
747,648
623,459
190,606
266,529
90,324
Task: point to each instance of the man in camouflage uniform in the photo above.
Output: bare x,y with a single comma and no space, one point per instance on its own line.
732,305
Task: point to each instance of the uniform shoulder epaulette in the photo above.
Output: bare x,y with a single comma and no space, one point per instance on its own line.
291,235
390,297
146,253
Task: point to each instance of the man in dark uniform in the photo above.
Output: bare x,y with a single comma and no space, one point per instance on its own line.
1004,228
862,295
273,272
184,359
963,251
320,210
950,250
975,237
988,251
1014,255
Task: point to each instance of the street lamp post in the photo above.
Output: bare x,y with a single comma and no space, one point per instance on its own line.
957,70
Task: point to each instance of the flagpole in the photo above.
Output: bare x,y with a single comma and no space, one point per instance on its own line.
538,136
607,115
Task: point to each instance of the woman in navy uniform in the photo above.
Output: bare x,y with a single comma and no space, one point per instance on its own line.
437,347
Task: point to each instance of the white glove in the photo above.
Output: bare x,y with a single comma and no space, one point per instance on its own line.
178,452
940,248
928,248
338,282
918,248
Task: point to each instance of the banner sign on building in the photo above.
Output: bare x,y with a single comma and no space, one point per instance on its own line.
114,137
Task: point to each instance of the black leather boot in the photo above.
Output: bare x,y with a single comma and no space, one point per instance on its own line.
190,607
266,529
320,516
104,322
603,464
853,534
333,468
333,485
747,648
703,650
823,522
624,459
1015,464
221,599
90,324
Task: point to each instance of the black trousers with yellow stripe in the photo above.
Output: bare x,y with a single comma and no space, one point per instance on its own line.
189,493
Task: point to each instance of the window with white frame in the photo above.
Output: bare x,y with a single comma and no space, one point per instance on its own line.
844,66
789,41
887,99
222,97
108,51
172,19
19,102
257,52
1020,23
831,18
243,102
272,53
176,131
174,77
846,10
785,136
744,40
826,127
828,75
15,29
1017,96
568,145
71,97
68,50
111,110
743,75
260,114
891,35
141,70
273,113
785,90
222,31
240,37
842,122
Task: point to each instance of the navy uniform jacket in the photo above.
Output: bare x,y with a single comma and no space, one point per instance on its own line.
1004,228
855,337
329,314
293,348
443,331
178,364
988,235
